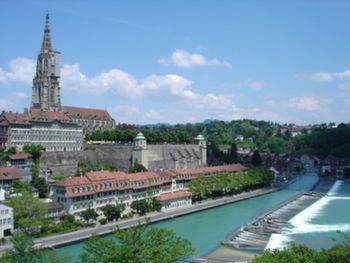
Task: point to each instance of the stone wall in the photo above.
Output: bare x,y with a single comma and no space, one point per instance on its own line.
67,162
165,156
173,156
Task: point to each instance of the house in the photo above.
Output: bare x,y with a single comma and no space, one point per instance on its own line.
6,220
23,162
96,189
7,176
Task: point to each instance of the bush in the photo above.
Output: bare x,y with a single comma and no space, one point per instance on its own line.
103,221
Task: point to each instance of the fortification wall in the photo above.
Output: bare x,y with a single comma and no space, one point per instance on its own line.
165,156
67,162
169,156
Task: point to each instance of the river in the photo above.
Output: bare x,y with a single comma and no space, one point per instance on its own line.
206,229
317,225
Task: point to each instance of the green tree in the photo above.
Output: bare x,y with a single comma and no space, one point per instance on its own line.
256,159
112,212
138,244
137,168
295,253
23,251
89,214
140,206
34,149
29,212
38,182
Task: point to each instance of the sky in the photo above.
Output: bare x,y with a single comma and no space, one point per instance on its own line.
183,61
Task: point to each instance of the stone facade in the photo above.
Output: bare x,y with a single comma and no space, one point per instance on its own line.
167,156
52,130
46,87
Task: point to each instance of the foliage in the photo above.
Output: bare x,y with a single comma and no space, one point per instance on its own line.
38,182
140,206
29,212
34,149
66,224
144,206
339,252
20,186
325,141
227,184
113,212
23,251
138,244
296,253
89,214
137,168
110,168
256,159
5,153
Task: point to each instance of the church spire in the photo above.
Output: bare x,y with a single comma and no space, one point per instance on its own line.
46,45
46,86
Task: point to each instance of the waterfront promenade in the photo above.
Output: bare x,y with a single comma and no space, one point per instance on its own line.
76,236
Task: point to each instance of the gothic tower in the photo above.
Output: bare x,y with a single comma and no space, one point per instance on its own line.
46,86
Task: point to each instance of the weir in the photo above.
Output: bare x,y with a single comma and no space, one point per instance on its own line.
255,236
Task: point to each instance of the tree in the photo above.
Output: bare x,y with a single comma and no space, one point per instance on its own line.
34,149
89,214
339,252
112,212
256,159
140,206
137,168
38,182
23,251
29,211
295,253
138,244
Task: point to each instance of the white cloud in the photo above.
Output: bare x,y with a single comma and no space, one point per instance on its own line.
184,59
20,70
254,84
304,103
344,86
14,101
329,76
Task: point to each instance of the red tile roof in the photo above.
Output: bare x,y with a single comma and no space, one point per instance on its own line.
20,156
9,173
173,196
87,113
102,181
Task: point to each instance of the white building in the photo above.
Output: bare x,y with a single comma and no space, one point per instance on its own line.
6,220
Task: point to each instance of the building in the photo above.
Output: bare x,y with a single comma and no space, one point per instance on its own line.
90,119
7,176
46,86
46,90
52,130
175,199
97,189
23,162
47,123
158,157
6,220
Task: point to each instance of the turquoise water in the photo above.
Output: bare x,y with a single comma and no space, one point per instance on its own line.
206,229
318,224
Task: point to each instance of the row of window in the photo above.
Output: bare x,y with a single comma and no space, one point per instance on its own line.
5,220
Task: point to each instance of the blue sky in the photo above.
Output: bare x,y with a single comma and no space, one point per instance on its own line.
185,61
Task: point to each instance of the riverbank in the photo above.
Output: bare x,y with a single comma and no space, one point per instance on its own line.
100,230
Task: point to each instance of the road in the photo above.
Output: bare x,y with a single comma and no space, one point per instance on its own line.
82,234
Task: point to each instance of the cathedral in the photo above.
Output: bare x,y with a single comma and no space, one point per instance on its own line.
47,122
